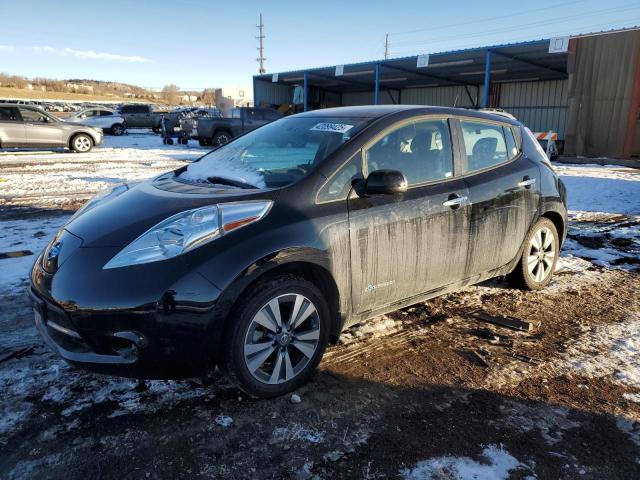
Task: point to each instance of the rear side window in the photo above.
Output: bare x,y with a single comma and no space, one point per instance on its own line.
104,113
127,109
484,143
512,148
33,116
7,114
421,150
140,109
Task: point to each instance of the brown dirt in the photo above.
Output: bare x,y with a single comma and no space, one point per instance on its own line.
440,383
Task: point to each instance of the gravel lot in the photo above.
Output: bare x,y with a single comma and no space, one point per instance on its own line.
425,392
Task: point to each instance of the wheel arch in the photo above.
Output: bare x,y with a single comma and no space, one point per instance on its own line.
221,129
75,133
558,221
312,271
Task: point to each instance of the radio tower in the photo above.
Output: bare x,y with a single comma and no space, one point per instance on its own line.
386,46
260,37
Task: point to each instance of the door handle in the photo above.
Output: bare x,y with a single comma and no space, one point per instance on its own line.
527,182
455,201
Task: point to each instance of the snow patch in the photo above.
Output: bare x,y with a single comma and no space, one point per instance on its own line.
496,464
611,351
371,329
550,422
225,162
224,421
295,431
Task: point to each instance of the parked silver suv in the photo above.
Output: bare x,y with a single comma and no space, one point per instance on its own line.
26,126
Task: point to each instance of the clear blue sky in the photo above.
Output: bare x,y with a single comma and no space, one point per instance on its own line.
198,44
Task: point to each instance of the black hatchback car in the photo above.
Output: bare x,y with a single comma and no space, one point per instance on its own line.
258,254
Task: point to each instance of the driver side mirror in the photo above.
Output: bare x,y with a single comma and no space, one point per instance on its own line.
383,182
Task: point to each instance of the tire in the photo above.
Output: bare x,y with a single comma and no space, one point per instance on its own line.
536,266
81,143
204,142
169,141
220,138
117,129
290,361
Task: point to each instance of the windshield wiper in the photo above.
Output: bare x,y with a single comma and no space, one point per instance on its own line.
228,181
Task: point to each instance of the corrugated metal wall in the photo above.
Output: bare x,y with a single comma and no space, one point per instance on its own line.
541,106
268,92
439,96
601,81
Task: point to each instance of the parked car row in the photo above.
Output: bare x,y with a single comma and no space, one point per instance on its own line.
29,126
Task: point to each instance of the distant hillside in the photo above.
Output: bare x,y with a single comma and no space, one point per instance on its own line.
16,86
36,86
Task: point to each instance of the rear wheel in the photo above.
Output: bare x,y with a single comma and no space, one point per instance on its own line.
204,142
539,257
81,143
220,138
278,337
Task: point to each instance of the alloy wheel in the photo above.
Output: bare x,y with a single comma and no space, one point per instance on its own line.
542,254
282,338
82,143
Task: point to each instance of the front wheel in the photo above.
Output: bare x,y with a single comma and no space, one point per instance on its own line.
117,129
539,257
82,143
277,338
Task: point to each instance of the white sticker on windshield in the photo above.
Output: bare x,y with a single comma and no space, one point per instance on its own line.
332,127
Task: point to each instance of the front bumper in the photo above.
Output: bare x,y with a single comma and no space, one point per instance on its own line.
101,324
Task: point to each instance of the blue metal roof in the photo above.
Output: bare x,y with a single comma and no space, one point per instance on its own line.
510,62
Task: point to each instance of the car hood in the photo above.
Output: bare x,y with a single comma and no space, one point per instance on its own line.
116,221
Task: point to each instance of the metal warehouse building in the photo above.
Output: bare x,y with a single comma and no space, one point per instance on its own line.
586,88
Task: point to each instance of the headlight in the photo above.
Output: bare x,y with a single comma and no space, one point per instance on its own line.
185,231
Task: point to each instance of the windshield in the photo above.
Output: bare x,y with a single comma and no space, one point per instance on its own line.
277,154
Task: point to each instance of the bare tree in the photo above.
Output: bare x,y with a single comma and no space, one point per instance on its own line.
171,94
208,96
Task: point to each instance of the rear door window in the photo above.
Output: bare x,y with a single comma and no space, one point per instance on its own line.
484,144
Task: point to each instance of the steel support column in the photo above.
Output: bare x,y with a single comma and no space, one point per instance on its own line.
305,89
487,79
376,93
255,104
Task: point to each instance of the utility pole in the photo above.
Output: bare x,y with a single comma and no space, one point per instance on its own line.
260,37
386,46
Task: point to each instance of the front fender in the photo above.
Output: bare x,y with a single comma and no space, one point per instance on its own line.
271,263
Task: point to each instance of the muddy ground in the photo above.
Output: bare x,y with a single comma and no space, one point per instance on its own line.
427,382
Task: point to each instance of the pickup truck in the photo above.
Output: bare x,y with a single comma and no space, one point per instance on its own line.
218,131
144,116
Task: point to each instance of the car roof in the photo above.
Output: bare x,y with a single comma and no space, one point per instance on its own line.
379,111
